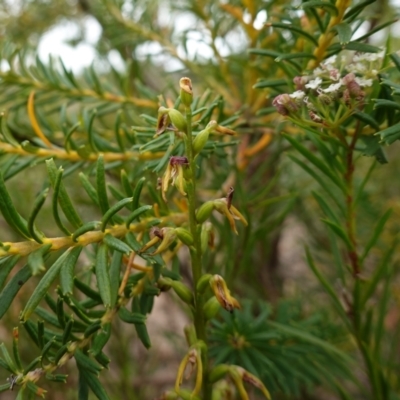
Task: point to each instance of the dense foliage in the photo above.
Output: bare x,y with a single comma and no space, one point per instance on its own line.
184,185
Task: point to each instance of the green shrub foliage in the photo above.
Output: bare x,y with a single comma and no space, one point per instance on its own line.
126,185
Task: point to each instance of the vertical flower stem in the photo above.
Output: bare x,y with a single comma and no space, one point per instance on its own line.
354,258
195,254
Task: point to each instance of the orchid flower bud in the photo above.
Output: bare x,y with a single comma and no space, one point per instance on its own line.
177,119
186,92
163,121
168,237
224,206
240,375
207,236
222,293
192,359
174,171
204,211
155,236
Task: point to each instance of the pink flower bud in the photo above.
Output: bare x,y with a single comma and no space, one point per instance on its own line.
285,104
314,117
300,82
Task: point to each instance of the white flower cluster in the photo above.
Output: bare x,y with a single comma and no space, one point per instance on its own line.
366,64
331,81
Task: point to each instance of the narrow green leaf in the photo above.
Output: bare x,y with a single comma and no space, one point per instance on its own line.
325,5
382,313
87,290
102,275
315,160
37,205
92,329
6,266
67,271
325,207
44,285
9,292
309,338
276,55
28,147
101,339
47,317
367,176
337,257
344,32
292,56
69,134
102,359
296,30
32,331
116,244
391,84
326,152
376,233
88,227
270,83
137,192
89,188
367,119
57,378
94,383
63,198
143,335
4,387
396,60
88,122
318,179
392,133
55,201
377,275
117,130
115,270
387,103
117,194
7,358
136,214
338,230
6,133
113,210
46,348
377,29
35,259
373,148
80,312
131,318
10,214
354,11
21,394
40,334
86,362
101,185
362,47
126,184
327,286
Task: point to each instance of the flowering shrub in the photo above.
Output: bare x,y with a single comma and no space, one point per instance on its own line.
121,190
332,92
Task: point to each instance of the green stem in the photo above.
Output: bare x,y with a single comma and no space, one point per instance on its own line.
373,370
199,319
